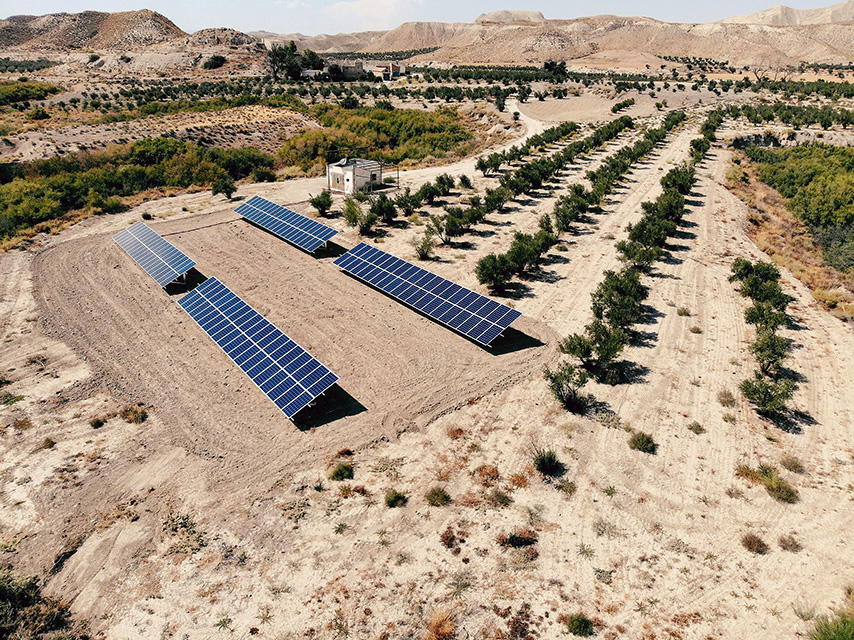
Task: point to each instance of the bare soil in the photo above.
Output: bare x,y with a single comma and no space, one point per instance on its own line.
648,546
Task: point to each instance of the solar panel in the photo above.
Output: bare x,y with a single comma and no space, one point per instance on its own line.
470,313
159,257
288,225
289,375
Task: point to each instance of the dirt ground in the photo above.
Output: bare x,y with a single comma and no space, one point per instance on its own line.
258,126
648,546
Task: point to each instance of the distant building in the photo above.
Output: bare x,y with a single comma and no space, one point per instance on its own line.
349,175
311,73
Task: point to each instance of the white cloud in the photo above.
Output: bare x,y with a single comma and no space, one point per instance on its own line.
298,4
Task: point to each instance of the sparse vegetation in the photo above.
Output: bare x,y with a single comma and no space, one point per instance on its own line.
547,463
341,471
133,414
696,428
394,498
643,442
27,614
566,384
579,625
754,544
438,497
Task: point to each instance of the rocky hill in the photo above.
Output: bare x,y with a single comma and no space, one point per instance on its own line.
88,30
505,17
783,16
534,43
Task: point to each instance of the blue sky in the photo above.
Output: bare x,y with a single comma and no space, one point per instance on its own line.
335,16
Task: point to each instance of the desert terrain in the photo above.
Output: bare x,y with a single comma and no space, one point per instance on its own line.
148,483
85,332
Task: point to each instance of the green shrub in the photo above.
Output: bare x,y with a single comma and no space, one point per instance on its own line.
424,245
438,497
547,463
776,486
579,625
643,442
518,538
341,471
214,62
322,202
393,498
770,397
26,613
383,208
836,627
565,384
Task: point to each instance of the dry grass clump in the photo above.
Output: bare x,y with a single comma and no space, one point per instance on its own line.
442,625
134,414
754,544
777,487
497,498
519,480
791,463
487,474
789,543
726,398
696,427
438,497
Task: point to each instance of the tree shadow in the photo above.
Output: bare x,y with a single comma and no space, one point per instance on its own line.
555,258
684,235
513,290
687,224
645,339
543,275
333,405
623,372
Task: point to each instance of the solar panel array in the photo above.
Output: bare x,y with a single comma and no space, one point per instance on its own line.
470,313
289,375
160,259
304,232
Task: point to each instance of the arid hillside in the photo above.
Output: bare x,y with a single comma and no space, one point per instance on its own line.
535,43
783,16
89,30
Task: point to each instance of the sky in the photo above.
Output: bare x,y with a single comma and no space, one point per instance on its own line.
311,17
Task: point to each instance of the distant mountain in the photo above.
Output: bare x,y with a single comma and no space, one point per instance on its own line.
323,43
89,30
506,17
535,43
783,16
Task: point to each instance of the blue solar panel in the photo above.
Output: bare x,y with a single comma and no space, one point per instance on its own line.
289,225
160,259
470,313
290,376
